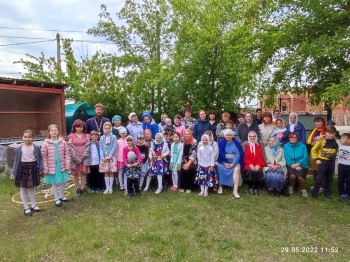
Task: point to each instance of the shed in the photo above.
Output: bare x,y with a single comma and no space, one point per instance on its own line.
77,111
27,104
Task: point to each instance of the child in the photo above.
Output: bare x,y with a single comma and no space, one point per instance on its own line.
132,172
206,176
117,122
324,152
231,126
108,163
79,150
26,169
159,165
175,160
169,128
121,143
144,150
131,148
344,166
280,131
56,161
95,178
179,127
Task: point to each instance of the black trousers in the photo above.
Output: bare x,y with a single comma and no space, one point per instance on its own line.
325,169
130,182
95,179
344,179
187,177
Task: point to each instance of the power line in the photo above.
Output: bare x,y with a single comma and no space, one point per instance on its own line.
45,30
73,40
24,37
29,42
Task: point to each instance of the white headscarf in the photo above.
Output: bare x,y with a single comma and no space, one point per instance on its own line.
292,126
229,132
253,144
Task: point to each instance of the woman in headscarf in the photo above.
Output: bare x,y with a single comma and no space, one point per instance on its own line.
189,162
275,169
280,131
296,156
266,128
230,162
253,163
296,127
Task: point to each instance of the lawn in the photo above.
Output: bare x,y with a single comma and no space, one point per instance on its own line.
176,227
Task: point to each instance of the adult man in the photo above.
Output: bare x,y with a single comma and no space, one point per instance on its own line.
96,122
187,120
258,116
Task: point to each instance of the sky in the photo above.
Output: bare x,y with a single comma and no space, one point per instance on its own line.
48,16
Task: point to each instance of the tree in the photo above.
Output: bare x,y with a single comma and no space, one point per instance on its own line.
144,43
303,46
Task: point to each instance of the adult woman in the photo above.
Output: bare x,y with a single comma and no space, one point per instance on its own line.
253,163
230,161
297,127
221,126
201,126
275,170
296,157
213,123
135,127
189,162
266,128
149,123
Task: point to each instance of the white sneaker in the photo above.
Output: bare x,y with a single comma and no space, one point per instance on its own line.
321,190
290,189
304,192
106,191
188,191
220,190
110,191
236,195
145,189
159,190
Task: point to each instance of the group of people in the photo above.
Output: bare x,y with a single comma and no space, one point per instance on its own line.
260,150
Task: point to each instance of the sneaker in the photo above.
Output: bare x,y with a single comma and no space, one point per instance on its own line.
110,191
175,188
220,190
106,191
304,192
236,195
27,212
188,191
251,191
344,197
58,203
172,188
181,190
201,193
159,190
36,209
290,190
145,189
83,191
92,190
205,193
321,190
78,192
98,190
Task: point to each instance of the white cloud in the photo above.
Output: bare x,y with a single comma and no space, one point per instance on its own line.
65,15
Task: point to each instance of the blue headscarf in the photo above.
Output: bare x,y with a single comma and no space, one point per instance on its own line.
277,146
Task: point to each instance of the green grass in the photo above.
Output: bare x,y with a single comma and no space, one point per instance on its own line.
175,227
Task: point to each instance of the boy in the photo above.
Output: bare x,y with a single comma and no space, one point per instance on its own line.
324,152
95,178
169,128
229,125
344,166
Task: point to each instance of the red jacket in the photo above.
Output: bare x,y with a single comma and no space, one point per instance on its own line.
250,158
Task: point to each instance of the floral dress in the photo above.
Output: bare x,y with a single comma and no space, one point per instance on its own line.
158,166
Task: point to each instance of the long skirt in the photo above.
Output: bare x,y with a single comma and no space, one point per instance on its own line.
274,178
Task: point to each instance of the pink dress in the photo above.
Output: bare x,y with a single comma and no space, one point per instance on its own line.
79,143
121,144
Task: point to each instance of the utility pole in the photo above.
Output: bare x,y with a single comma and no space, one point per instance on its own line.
58,51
